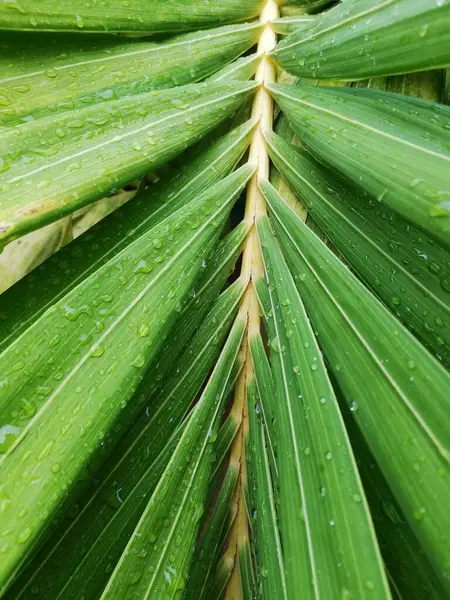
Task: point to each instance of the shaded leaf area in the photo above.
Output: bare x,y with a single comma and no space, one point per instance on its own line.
410,273
395,147
41,75
428,85
409,571
305,5
401,414
85,154
151,17
215,529
326,533
368,38
28,299
89,381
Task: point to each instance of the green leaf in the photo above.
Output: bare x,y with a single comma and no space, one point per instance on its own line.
265,386
264,515
369,38
241,69
402,410
305,5
246,571
221,578
93,69
428,85
108,512
156,559
81,156
393,146
410,275
288,25
27,300
215,532
410,573
152,16
81,347
326,532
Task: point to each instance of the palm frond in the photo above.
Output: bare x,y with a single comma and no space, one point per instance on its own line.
225,375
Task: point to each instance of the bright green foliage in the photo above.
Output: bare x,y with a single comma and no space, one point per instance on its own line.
171,519
329,541
367,38
408,273
27,300
27,88
159,440
131,16
394,146
89,382
84,154
402,412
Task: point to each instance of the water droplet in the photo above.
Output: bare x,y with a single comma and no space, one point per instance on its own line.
97,350
138,362
24,536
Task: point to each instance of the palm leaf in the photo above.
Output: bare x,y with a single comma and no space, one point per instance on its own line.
155,280
105,146
376,243
361,340
324,522
153,16
393,146
38,87
369,38
169,427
